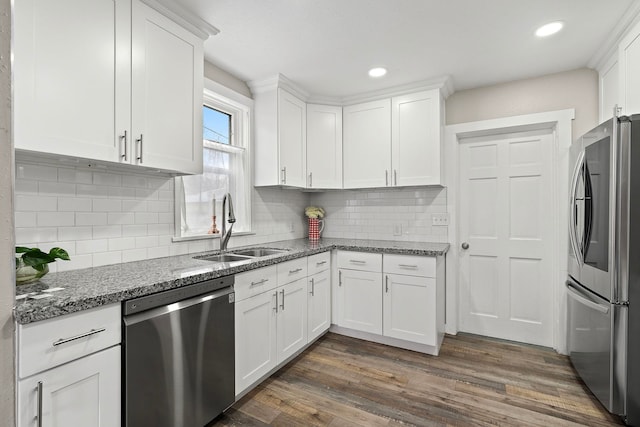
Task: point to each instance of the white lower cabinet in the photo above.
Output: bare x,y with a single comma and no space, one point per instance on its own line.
319,306
292,318
409,308
360,300
85,392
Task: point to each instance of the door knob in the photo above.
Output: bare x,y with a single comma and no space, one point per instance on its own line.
465,245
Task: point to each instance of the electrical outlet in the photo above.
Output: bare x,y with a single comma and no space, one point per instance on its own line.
397,229
440,219
292,227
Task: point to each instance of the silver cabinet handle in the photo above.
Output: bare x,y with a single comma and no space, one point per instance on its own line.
407,265
39,415
297,270
339,277
310,179
357,261
321,262
284,175
139,142
313,287
386,284
282,305
465,245
275,294
395,177
77,337
260,282
124,146
386,177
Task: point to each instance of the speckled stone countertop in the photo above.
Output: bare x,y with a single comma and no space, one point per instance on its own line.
92,287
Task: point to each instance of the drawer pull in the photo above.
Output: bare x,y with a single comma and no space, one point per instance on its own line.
321,262
297,270
39,415
407,265
260,282
357,261
77,337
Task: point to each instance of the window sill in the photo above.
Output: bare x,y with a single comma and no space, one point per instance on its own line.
209,236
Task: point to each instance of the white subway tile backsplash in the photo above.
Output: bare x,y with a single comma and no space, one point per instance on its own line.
165,218
100,178
36,235
92,190
107,205
107,258
76,262
146,218
134,230
134,255
91,218
121,193
146,193
35,203
159,229
55,219
107,231
158,252
134,205
24,186
158,206
74,204
134,181
146,242
121,218
92,246
75,176
56,188
25,219
122,243
36,172
74,233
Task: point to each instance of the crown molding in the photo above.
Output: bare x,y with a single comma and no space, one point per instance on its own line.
184,17
278,81
602,56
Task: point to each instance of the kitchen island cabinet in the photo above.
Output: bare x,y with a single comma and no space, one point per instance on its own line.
104,81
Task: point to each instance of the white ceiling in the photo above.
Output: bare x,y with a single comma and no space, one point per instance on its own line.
327,46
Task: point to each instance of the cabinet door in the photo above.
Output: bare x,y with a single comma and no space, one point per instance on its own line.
319,306
367,144
324,146
416,139
292,318
410,308
85,392
292,137
360,300
255,324
71,77
609,88
629,68
167,79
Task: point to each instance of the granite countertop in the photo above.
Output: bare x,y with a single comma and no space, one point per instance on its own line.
66,292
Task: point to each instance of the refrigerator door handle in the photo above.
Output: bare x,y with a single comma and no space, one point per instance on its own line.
583,299
573,211
588,210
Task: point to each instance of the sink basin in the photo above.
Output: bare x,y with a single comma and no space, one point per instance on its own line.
258,252
225,258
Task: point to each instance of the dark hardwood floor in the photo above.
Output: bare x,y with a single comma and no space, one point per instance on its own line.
476,381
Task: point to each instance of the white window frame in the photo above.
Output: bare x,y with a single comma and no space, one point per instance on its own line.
240,108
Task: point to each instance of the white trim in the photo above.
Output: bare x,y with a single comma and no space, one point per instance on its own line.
230,96
183,17
560,123
629,18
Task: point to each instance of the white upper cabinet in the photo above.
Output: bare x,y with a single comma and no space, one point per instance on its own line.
629,72
324,146
609,86
394,142
280,139
92,77
166,93
367,144
416,144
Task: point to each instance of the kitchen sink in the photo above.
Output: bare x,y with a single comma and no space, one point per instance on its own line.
258,252
225,258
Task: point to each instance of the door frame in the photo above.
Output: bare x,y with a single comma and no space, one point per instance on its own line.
559,124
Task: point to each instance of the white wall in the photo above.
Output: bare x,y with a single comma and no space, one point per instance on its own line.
576,89
373,214
7,263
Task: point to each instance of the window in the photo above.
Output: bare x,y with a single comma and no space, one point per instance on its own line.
225,170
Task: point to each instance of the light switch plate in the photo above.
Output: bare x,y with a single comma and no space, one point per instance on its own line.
440,219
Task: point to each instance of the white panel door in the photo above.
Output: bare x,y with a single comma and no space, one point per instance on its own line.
292,138
367,144
324,146
415,139
629,68
506,215
292,318
360,300
255,323
72,77
85,392
410,308
319,315
166,93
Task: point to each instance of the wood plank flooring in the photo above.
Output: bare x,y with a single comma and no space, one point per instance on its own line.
476,381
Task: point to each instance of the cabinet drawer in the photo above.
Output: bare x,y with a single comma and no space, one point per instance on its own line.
424,266
292,270
360,261
43,345
255,282
319,262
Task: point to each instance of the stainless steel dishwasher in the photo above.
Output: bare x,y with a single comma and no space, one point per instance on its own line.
178,355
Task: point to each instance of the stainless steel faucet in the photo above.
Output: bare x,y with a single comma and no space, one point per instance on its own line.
226,234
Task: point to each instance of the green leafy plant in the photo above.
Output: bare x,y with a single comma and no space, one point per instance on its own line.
35,258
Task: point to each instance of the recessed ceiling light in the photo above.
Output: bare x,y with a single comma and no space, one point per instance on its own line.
549,29
377,72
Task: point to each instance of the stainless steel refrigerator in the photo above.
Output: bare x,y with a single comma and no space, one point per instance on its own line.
603,285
